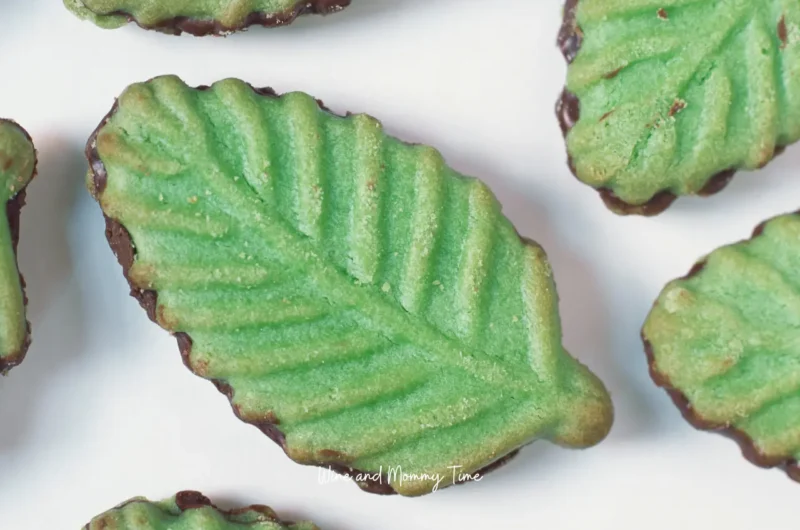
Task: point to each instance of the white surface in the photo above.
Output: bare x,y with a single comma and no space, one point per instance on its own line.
103,410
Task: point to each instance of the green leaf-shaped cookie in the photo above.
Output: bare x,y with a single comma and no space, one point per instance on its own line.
17,168
669,97
199,17
362,303
724,342
190,510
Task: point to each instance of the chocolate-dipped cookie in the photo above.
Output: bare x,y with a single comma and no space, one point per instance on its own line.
670,98
199,17
17,168
723,342
190,510
366,306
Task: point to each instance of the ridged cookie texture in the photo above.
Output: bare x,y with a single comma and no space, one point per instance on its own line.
199,17
17,168
190,510
670,97
366,306
724,342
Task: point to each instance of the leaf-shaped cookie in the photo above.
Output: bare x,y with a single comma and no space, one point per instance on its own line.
724,343
362,303
199,17
17,168
669,97
190,510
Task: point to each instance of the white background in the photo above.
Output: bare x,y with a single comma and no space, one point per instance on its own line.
103,410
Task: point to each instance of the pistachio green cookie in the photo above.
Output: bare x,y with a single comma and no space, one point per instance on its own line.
189,510
199,17
361,302
669,97
724,342
17,168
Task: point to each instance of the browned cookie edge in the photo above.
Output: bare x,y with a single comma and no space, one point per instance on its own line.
13,210
200,27
122,245
568,111
748,446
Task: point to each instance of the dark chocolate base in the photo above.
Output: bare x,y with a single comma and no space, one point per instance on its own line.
120,241
192,500
787,463
568,110
13,210
200,28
